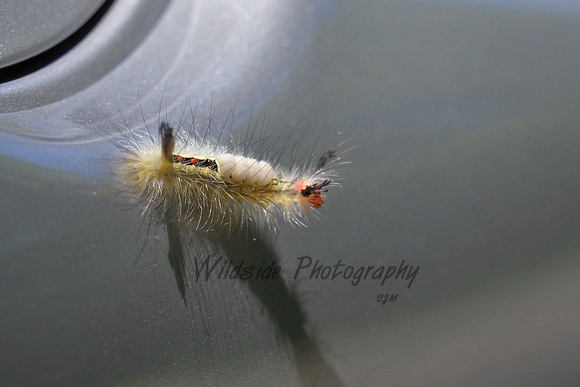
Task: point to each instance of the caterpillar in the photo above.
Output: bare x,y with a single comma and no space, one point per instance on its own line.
200,184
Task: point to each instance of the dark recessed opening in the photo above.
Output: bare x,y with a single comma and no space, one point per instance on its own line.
37,62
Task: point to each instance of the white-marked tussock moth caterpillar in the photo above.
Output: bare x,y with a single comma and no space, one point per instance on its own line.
203,184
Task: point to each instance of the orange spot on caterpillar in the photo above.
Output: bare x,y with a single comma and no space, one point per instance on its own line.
312,192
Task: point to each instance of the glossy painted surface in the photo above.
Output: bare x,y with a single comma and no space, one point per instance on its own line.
466,126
